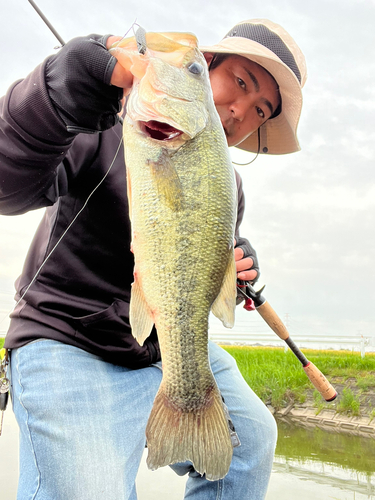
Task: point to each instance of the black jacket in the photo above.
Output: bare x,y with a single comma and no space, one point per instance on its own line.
81,294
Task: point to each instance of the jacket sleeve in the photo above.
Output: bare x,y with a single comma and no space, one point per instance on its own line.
42,116
248,250
33,142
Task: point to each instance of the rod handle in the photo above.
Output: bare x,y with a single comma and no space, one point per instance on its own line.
320,382
314,374
272,320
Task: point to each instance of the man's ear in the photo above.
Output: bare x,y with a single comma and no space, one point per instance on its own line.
208,56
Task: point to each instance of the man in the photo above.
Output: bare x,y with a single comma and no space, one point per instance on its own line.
82,387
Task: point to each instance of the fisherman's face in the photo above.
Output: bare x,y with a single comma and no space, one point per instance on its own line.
245,96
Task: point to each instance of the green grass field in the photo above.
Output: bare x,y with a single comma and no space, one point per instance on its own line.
277,376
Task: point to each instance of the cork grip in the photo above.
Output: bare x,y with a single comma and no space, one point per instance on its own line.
320,382
315,375
272,320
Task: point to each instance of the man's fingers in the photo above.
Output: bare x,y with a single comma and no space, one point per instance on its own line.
247,275
244,271
238,254
246,260
244,264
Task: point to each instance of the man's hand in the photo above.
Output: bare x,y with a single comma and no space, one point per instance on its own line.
79,83
246,260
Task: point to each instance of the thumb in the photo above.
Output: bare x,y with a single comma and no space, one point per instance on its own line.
121,77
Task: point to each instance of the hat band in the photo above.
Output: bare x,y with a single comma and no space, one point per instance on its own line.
259,33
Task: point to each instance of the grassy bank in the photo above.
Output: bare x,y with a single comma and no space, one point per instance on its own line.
278,379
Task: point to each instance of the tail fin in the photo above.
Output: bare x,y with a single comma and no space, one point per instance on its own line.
201,437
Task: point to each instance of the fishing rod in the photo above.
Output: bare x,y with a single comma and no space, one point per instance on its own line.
274,322
33,4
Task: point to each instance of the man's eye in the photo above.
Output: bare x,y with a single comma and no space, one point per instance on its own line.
260,112
241,83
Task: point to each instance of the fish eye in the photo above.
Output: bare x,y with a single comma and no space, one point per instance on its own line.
195,68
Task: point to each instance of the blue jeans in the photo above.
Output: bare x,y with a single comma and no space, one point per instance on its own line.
82,427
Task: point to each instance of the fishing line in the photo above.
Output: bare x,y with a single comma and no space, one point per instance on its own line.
67,229
95,188
71,223
131,28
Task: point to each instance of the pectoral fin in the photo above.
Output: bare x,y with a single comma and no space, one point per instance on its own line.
167,181
140,316
225,303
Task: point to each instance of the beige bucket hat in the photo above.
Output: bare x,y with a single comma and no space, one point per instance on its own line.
269,45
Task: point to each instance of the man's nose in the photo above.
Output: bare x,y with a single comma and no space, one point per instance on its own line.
239,109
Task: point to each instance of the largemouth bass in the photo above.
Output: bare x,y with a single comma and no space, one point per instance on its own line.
182,197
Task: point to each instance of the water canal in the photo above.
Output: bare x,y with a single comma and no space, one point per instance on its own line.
310,464
314,464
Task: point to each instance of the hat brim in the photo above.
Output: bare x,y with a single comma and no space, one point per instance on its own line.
278,135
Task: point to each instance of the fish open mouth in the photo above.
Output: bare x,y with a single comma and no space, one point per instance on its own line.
159,130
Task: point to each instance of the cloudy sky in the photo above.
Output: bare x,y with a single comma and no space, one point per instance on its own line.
310,215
